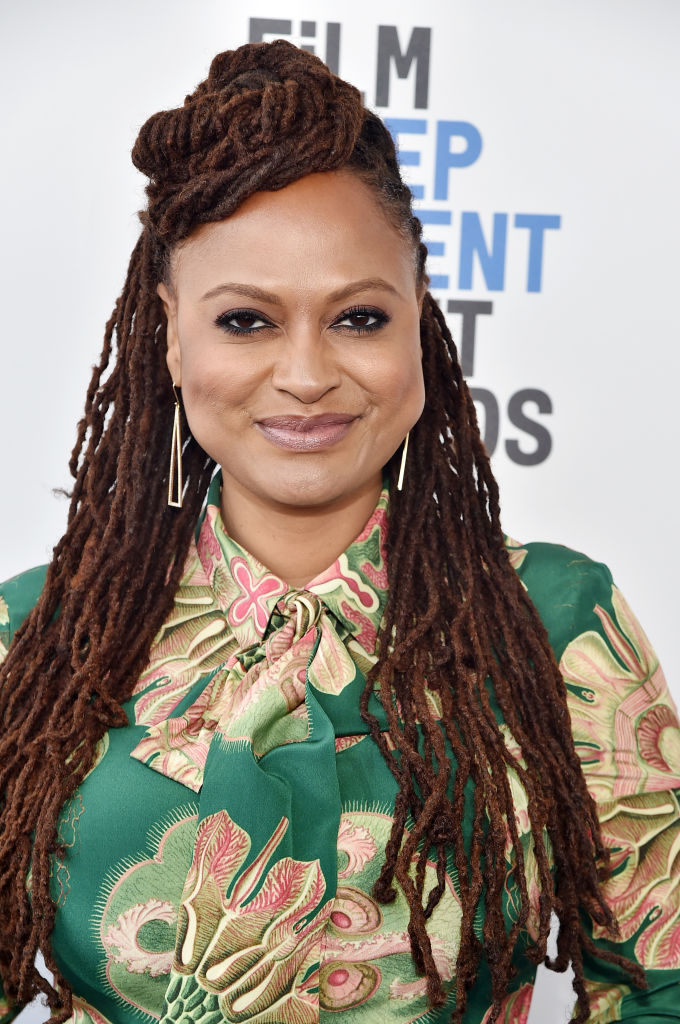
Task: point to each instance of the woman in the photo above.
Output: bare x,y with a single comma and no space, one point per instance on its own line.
291,738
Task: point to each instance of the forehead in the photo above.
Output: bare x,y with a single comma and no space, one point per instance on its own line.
323,225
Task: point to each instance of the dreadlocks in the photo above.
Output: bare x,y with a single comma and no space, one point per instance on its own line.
266,116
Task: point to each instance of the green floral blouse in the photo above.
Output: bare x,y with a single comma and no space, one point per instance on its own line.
220,856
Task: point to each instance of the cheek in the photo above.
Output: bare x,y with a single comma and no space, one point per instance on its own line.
397,380
216,380
205,402
214,403
405,378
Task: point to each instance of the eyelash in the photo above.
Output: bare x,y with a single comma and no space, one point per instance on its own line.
224,321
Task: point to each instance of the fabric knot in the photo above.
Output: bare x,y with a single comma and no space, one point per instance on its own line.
302,608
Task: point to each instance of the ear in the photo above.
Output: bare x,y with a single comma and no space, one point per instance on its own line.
173,356
421,293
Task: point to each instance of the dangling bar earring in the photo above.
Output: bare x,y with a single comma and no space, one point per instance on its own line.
402,468
175,459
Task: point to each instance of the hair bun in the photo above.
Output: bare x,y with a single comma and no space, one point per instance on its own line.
265,112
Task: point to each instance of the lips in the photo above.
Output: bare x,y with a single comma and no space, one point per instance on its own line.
306,433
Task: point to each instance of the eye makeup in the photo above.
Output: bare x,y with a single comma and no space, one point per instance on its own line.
251,322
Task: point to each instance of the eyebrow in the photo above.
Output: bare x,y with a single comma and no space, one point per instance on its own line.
253,292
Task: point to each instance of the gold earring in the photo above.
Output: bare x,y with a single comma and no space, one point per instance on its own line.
175,459
402,467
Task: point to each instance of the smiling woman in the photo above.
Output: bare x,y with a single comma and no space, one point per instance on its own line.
290,728
324,366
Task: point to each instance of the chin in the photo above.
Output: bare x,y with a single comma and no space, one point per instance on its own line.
310,488
309,493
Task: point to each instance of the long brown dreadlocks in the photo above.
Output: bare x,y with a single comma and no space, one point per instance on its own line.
266,116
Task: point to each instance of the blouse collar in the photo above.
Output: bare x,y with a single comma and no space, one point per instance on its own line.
353,588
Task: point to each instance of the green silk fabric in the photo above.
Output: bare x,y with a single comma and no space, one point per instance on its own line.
221,854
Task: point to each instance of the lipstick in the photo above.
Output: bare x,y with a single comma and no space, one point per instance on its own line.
306,433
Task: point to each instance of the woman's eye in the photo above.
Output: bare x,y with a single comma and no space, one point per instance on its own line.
362,320
241,321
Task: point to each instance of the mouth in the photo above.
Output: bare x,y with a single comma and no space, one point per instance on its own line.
306,433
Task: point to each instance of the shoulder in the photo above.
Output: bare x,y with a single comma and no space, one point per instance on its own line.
568,588
18,597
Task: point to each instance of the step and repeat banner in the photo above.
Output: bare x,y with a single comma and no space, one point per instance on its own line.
541,142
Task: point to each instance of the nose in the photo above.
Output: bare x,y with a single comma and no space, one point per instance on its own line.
306,367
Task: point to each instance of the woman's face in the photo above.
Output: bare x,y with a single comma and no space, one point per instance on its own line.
293,330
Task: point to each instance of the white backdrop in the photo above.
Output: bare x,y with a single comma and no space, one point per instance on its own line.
534,122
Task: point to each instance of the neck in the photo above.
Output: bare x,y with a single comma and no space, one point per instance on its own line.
295,543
